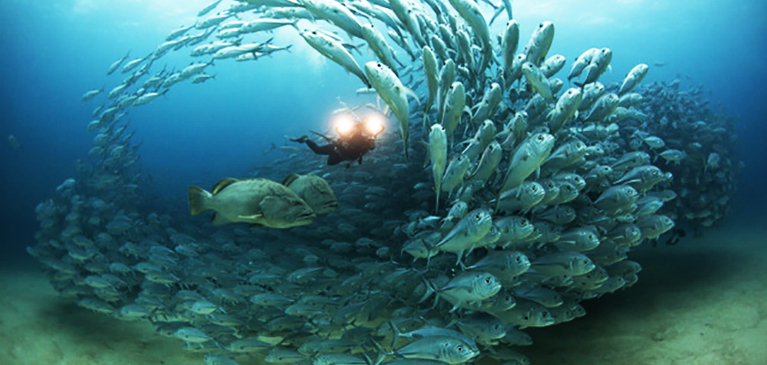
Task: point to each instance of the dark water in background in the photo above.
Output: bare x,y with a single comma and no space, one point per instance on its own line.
54,51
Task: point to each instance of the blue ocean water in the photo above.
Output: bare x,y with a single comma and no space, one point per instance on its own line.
54,51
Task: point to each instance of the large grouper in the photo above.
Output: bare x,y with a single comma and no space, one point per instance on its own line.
260,202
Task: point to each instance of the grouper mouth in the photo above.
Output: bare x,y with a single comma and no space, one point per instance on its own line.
305,218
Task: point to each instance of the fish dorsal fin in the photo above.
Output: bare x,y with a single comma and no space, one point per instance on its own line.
222,184
289,180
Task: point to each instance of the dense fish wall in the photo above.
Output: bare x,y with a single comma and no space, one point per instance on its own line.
543,192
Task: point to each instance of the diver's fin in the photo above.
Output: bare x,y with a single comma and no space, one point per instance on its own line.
289,179
223,183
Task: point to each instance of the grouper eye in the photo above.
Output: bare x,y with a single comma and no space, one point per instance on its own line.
488,280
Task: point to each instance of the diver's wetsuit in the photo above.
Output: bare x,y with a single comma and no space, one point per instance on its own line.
328,149
342,150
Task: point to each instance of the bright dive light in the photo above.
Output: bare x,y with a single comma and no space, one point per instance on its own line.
374,124
344,123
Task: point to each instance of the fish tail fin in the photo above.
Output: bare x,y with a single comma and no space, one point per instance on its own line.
429,289
198,198
404,144
497,12
397,334
368,361
380,349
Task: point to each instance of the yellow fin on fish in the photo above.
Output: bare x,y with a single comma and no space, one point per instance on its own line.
289,179
223,184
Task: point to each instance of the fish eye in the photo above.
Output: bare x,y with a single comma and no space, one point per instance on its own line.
591,237
519,259
526,318
460,348
523,223
545,314
585,262
488,280
533,188
540,137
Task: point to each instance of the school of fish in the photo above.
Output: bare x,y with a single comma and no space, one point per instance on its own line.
503,199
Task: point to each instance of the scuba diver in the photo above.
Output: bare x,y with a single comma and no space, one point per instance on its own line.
356,138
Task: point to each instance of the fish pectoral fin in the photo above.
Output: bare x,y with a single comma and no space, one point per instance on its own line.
250,217
405,91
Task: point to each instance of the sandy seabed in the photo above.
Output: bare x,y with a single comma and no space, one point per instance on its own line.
701,302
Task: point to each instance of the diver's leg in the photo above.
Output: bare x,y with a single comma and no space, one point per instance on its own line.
301,139
327,149
334,159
